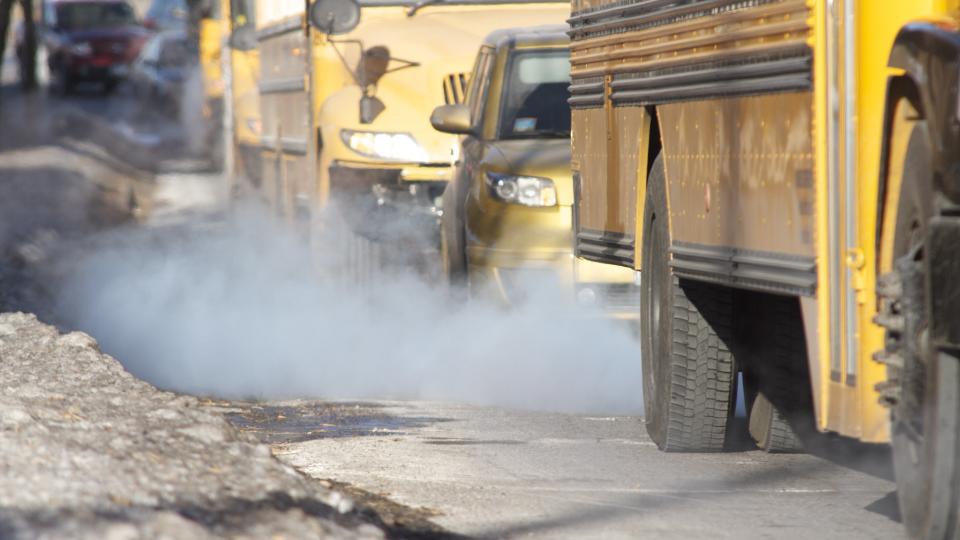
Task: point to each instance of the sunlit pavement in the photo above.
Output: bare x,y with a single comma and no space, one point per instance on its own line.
491,472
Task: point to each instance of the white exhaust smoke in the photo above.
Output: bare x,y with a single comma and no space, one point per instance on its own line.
241,310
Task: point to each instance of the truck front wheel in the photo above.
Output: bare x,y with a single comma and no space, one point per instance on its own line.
923,383
689,374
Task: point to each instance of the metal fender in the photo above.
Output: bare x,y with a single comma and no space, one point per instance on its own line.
929,54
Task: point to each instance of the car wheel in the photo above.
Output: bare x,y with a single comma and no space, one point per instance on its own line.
452,237
689,374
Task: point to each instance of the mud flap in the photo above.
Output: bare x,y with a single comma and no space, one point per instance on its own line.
944,282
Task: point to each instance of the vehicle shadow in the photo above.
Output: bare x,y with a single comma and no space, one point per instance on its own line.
655,504
873,459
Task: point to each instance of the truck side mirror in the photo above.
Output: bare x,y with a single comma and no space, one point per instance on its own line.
370,109
335,16
452,119
243,38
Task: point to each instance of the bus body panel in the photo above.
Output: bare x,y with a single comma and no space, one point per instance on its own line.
770,119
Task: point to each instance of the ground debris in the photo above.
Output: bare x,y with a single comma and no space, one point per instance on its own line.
92,452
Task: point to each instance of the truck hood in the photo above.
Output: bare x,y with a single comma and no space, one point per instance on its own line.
443,41
545,158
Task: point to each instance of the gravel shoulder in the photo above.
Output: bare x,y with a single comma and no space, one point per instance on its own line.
89,450
92,452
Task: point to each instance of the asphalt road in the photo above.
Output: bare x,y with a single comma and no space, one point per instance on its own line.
490,472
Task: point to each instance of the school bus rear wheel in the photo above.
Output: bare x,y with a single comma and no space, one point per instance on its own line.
689,375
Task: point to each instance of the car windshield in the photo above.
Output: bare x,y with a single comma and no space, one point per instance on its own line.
87,15
535,92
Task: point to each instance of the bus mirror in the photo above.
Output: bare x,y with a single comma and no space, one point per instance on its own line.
335,16
370,109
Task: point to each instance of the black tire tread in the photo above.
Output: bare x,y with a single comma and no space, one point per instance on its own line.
782,402
695,408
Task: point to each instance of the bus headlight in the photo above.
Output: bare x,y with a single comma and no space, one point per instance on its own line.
525,190
381,145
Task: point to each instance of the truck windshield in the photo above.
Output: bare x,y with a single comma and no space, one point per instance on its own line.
87,15
535,92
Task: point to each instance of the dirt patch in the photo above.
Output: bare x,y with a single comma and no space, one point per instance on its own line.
284,423
278,423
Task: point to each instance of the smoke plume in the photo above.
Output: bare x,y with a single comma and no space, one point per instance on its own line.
245,308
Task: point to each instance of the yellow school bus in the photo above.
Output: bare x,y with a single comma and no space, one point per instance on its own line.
785,174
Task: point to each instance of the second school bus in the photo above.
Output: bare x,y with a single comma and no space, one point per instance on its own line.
786,176
346,111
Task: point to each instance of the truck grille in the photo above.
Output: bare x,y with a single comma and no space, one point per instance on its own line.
455,88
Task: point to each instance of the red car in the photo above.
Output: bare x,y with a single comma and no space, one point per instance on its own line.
89,41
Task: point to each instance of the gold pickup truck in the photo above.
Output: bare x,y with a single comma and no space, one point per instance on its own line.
507,221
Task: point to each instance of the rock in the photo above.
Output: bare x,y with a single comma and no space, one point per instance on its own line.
164,414
7,330
12,417
206,434
79,340
121,531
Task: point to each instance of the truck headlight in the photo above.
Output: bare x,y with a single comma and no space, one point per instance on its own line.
525,190
81,49
390,146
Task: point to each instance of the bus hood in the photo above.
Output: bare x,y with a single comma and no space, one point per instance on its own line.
433,53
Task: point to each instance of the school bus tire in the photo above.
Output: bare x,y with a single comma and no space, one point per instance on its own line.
923,383
689,374
779,409
769,428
